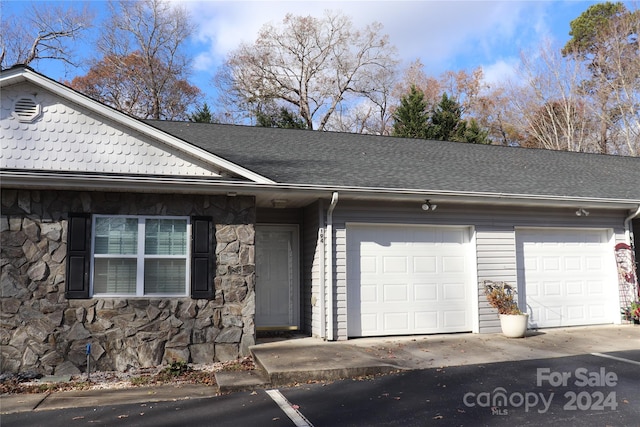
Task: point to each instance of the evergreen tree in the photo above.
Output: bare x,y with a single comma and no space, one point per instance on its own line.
444,124
471,132
202,115
284,119
445,119
411,117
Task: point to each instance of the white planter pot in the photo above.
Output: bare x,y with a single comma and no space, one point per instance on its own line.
514,325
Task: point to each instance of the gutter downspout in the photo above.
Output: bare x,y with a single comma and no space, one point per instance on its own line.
627,231
328,250
321,236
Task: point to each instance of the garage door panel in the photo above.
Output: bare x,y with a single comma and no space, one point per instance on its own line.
553,313
369,322
395,321
397,264
453,264
596,288
573,263
550,264
575,288
454,319
368,264
395,293
426,320
593,264
565,276
576,312
369,293
551,289
424,264
454,292
425,292
421,284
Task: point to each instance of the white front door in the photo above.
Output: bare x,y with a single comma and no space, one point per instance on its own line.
567,277
408,279
277,277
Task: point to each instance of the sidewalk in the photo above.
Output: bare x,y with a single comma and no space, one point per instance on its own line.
308,359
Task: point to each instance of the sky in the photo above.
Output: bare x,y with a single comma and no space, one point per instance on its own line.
443,35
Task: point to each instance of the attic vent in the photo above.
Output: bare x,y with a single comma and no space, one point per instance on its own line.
26,109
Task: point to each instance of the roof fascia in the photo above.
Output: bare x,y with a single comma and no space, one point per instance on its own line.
18,75
194,185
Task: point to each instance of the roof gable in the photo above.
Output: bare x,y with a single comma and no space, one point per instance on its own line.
75,133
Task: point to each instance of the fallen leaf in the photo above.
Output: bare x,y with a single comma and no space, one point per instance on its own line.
462,411
123,416
77,418
253,393
438,417
295,406
625,401
275,419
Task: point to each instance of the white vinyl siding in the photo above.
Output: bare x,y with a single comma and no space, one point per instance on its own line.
495,246
313,245
140,256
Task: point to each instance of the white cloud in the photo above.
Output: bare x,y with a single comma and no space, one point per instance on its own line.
438,32
501,71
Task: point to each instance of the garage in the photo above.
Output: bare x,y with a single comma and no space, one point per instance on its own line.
568,276
409,279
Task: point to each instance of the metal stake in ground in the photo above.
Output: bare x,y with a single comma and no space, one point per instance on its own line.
88,361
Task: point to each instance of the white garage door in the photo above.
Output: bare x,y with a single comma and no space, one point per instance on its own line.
568,276
408,280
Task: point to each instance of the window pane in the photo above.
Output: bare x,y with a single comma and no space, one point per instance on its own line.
166,237
165,276
114,276
117,236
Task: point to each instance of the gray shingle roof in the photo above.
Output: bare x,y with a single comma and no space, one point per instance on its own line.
352,160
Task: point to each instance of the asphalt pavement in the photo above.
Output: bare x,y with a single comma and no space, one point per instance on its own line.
307,359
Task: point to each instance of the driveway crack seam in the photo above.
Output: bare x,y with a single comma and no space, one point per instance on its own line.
47,394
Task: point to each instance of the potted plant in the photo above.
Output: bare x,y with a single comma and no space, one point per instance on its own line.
502,296
632,312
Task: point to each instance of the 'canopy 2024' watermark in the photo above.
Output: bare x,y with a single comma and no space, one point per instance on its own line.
595,393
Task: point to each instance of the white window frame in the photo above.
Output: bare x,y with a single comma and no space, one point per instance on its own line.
141,256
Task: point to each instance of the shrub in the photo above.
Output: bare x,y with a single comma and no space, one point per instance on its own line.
501,296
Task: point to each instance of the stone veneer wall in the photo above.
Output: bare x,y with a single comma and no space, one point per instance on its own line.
42,330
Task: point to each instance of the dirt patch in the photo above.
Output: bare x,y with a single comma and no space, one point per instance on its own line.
174,373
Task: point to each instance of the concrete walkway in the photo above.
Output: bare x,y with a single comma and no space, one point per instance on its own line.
308,359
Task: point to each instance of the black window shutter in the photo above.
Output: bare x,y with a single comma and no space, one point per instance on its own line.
78,256
202,258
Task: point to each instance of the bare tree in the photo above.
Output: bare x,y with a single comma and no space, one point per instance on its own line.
463,87
43,32
605,39
149,34
622,84
548,109
415,76
316,66
126,89
371,114
492,112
